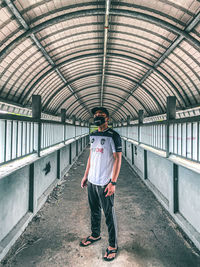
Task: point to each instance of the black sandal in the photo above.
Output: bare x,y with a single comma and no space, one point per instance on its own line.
110,252
90,240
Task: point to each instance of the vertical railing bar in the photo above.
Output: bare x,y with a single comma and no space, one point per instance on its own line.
192,131
39,137
33,134
11,145
45,135
17,138
22,132
181,138
186,139
173,137
26,133
162,136
30,137
160,144
5,140
198,141
177,132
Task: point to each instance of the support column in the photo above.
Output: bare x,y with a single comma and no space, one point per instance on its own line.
32,193
63,115
36,114
140,122
132,154
74,123
145,164
171,115
58,164
171,107
36,106
73,119
128,119
63,119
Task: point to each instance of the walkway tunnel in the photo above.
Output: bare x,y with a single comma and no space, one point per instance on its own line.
141,61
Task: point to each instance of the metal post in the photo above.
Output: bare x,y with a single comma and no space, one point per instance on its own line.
128,119
175,188
36,106
63,115
73,120
63,119
36,114
58,164
140,122
171,114
145,164
132,154
32,198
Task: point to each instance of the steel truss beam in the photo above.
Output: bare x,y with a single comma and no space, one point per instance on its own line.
110,94
178,40
35,40
95,103
96,12
121,89
116,75
91,55
106,28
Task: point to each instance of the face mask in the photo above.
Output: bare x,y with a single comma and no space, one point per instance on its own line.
99,120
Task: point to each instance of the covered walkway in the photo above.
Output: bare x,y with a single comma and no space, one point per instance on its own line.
140,59
148,235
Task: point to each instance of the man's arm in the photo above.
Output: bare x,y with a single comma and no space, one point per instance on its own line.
110,188
116,166
84,180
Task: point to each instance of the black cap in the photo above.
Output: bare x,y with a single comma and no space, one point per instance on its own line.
93,110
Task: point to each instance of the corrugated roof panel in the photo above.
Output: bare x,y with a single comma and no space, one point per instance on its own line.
57,99
60,42
40,11
65,105
175,12
9,28
147,100
165,88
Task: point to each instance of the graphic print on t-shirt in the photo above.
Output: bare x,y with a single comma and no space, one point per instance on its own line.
103,145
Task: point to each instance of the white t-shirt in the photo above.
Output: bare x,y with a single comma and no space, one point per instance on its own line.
102,146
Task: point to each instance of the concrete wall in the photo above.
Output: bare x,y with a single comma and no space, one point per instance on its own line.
159,173
42,180
175,186
129,151
73,149
14,200
64,160
23,192
189,196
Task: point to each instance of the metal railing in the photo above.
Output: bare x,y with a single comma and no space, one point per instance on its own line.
21,136
178,137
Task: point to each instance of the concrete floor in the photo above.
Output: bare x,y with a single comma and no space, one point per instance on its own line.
148,236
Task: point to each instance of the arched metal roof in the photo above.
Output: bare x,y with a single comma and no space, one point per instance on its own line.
125,55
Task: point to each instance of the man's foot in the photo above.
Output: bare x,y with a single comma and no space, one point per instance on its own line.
110,254
89,240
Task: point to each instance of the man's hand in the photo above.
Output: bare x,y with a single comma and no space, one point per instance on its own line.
111,190
84,182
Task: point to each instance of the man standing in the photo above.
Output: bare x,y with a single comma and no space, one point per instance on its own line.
100,177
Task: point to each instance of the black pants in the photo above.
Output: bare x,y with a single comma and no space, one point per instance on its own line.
97,200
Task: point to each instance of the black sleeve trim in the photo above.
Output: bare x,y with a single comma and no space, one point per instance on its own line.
118,142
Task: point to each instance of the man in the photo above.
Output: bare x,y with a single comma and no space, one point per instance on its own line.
100,177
